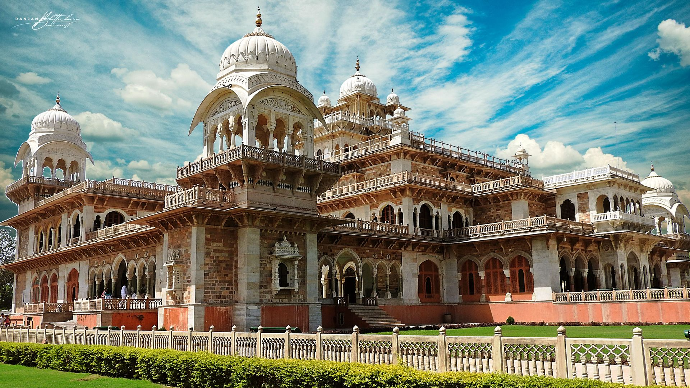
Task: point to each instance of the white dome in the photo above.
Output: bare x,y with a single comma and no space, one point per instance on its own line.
324,100
258,51
658,183
400,112
392,99
358,83
55,119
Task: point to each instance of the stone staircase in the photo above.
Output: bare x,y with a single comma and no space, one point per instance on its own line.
374,316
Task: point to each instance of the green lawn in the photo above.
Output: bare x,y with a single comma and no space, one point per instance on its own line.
13,376
651,332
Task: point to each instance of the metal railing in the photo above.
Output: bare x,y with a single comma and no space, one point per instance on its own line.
630,361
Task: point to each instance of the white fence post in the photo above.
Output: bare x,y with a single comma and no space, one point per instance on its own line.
638,364
319,346
497,350
138,340
354,356
153,336
395,345
210,339
562,364
442,350
233,342
259,345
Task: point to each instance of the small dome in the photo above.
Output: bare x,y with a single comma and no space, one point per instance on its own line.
55,119
392,99
400,112
259,51
324,100
358,83
658,183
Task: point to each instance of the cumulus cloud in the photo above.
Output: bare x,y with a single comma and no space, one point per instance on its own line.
556,157
32,78
101,128
5,176
103,169
156,172
674,38
144,87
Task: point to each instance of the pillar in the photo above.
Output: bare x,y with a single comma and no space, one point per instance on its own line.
545,263
312,276
451,285
247,310
195,310
410,274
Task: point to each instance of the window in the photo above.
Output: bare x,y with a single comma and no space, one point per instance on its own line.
521,278
283,275
113,218
429,287
425,219
495,277
388,214
470,284
568,210
457,220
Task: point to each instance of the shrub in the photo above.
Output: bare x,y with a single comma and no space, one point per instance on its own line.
510,320
201,369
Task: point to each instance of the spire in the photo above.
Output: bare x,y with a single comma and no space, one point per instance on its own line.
652,166
57,99
357,64
258,17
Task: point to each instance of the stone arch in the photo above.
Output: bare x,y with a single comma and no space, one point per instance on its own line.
426,214
492,255
633,271
368,279
429,281
579,271
381,279
494,275
114,217
387,213
470,282
72,285
568,210
395,280
521,278
603,204
565,264
53,280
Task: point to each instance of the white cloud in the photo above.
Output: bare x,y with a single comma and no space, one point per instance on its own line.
99,127
5,176
556,157
674,38
156,172
144,87
103,169
32,78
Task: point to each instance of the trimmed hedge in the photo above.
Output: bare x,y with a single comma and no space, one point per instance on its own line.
200,369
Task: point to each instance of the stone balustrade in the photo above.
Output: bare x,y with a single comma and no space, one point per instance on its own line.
48,307
116,187
102,304
505,184
113,231
258,154
356,119
588,175
384,182
518,226
361,226
200,196
621,295
39,180
630,361
623,216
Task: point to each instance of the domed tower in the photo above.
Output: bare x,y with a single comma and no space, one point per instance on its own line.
662,203
248,206
53,158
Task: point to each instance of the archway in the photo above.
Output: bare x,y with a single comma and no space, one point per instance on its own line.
592,281
568,210
388,214
121,280
367,279
564,275
470,284
45,289
429,287
457,220
394,281
494,277
350,285
53,288
113,218
520,276
381,275
426,220
72,285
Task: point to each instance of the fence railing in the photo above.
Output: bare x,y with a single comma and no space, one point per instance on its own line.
505,184
48,307
621,295
630,361
588,175
623,216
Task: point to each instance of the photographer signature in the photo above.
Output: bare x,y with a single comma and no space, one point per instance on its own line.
49,19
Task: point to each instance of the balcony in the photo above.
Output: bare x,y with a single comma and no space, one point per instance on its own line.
519,226
402,178
116,304
356,119
506,184
588,175
46,307
618,220
113,231
116,187
201,196
621,295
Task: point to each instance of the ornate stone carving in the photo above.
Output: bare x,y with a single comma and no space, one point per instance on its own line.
225,106
285,250
281,105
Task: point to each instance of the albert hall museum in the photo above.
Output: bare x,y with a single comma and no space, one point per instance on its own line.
332,214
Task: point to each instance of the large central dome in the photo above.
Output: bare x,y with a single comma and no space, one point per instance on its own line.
55,119
358,83
258,51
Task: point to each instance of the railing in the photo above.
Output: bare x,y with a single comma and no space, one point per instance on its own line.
623,216
112,231
517,226
116,187
588,175
101,304
364,148
357,119
39,180
630,361
622,295
436,146
260,154
48,307
200,196
514,182
384,182
373,227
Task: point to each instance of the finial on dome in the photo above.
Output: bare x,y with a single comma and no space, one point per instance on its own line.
357,64
652,166
57,99
258,17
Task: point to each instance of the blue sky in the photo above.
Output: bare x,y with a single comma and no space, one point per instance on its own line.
485,75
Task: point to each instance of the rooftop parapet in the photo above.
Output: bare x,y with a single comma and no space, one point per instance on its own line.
588,175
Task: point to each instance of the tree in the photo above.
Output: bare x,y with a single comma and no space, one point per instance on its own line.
8,245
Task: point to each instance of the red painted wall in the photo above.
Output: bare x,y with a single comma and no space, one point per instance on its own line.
175,317
87,320
281,316
130,320
612,312
219,317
